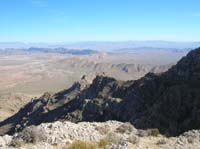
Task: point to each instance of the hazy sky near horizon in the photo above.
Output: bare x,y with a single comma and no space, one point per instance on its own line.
99,20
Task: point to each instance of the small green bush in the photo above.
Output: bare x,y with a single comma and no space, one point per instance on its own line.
82,145
104,142
153,132
125,128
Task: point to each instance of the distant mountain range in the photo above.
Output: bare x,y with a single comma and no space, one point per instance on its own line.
49,50
88,51
104,45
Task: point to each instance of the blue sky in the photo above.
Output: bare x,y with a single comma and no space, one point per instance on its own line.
99,20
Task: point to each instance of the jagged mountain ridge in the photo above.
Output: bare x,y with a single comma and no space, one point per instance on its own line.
169,101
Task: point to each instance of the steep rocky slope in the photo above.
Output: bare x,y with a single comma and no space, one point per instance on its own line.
26,75
168,101
10,103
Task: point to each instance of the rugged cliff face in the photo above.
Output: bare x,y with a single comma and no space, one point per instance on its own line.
168,101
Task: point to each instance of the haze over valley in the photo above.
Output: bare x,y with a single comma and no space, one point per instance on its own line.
28,73
99,74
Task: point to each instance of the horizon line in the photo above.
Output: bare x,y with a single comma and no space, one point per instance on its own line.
81,41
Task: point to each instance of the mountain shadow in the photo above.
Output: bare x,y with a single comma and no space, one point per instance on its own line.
169,101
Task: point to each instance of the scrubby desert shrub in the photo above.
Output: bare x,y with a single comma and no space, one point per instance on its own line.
115,138
103,129
133,139
17,143
82,145
104,142
153,132
161,142
125,128
142,133
190,139
31,135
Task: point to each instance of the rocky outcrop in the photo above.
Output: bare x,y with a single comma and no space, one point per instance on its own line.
169,101
108,135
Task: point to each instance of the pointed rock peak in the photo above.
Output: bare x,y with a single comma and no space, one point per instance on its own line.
191,58
46,96
83,77
188,66
102,79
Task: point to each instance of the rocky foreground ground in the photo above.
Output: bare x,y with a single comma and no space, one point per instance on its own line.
108,135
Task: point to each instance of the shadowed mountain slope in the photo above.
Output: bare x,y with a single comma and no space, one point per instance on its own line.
169,101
